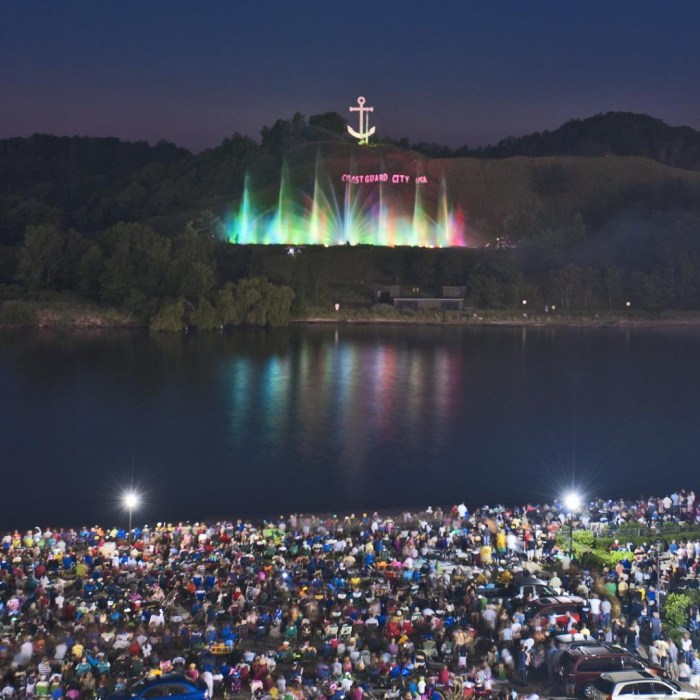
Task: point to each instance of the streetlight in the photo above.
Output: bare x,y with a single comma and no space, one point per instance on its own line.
131,501
659,546
572,502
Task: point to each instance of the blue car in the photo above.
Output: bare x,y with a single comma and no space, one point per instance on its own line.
171,685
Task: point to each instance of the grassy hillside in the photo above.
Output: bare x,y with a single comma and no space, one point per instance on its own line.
499,196
492,191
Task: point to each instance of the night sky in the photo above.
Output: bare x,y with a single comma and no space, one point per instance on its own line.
455,72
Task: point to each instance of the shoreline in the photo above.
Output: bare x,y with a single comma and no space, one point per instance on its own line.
512,321
388,322
79,316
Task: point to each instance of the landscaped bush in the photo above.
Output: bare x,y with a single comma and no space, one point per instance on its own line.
676,609
617,555
593,560
585,537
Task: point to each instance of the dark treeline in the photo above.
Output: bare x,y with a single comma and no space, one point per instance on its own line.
614,133
167,282
195,279
610,134
630,263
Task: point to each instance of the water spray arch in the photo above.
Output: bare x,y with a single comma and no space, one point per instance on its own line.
358,210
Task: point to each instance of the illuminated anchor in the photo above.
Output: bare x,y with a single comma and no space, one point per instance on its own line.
364,133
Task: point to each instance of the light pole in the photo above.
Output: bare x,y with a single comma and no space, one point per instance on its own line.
131,500
572,502
658,544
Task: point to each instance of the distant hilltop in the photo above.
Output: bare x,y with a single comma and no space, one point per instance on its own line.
593,170
610,134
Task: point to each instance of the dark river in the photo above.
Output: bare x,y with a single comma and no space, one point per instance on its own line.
346,419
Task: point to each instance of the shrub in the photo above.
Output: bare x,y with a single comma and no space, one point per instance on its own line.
597,559
593,560
616,556
169,318
205,316
17,313
676,609
584,537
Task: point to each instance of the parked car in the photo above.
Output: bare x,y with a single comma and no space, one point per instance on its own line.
170,685
575,640
583,666
540,610
530,588
523,588
640,684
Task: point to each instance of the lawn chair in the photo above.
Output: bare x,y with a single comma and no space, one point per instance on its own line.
420,663
430,649
447,651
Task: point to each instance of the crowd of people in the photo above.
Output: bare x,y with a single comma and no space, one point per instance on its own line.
326,607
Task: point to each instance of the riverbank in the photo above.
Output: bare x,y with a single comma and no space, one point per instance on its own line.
17,314
79,314
490,317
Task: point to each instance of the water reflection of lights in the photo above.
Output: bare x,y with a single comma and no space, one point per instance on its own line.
362,394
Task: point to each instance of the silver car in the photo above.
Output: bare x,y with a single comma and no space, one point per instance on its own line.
640,685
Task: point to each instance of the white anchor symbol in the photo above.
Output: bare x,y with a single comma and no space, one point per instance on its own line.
364,133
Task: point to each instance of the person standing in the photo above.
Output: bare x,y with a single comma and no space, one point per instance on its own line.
695,672
605,610
687,648
523,662
683,671
553,655
672,668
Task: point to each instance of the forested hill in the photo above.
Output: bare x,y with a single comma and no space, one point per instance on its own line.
77,181
613,133
89,184
42,158
585,217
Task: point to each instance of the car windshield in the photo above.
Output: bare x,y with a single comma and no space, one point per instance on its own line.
604,686
545,591
137,687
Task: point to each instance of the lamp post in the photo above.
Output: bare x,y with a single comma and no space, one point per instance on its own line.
572,502
131,500
659,544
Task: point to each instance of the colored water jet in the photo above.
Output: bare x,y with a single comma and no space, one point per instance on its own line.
361,214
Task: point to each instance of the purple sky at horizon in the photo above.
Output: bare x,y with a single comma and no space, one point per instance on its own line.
455,72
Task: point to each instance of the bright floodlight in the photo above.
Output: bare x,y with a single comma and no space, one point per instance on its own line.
131,500
572,501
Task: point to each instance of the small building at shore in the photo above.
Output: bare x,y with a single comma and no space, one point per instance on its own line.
413,297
